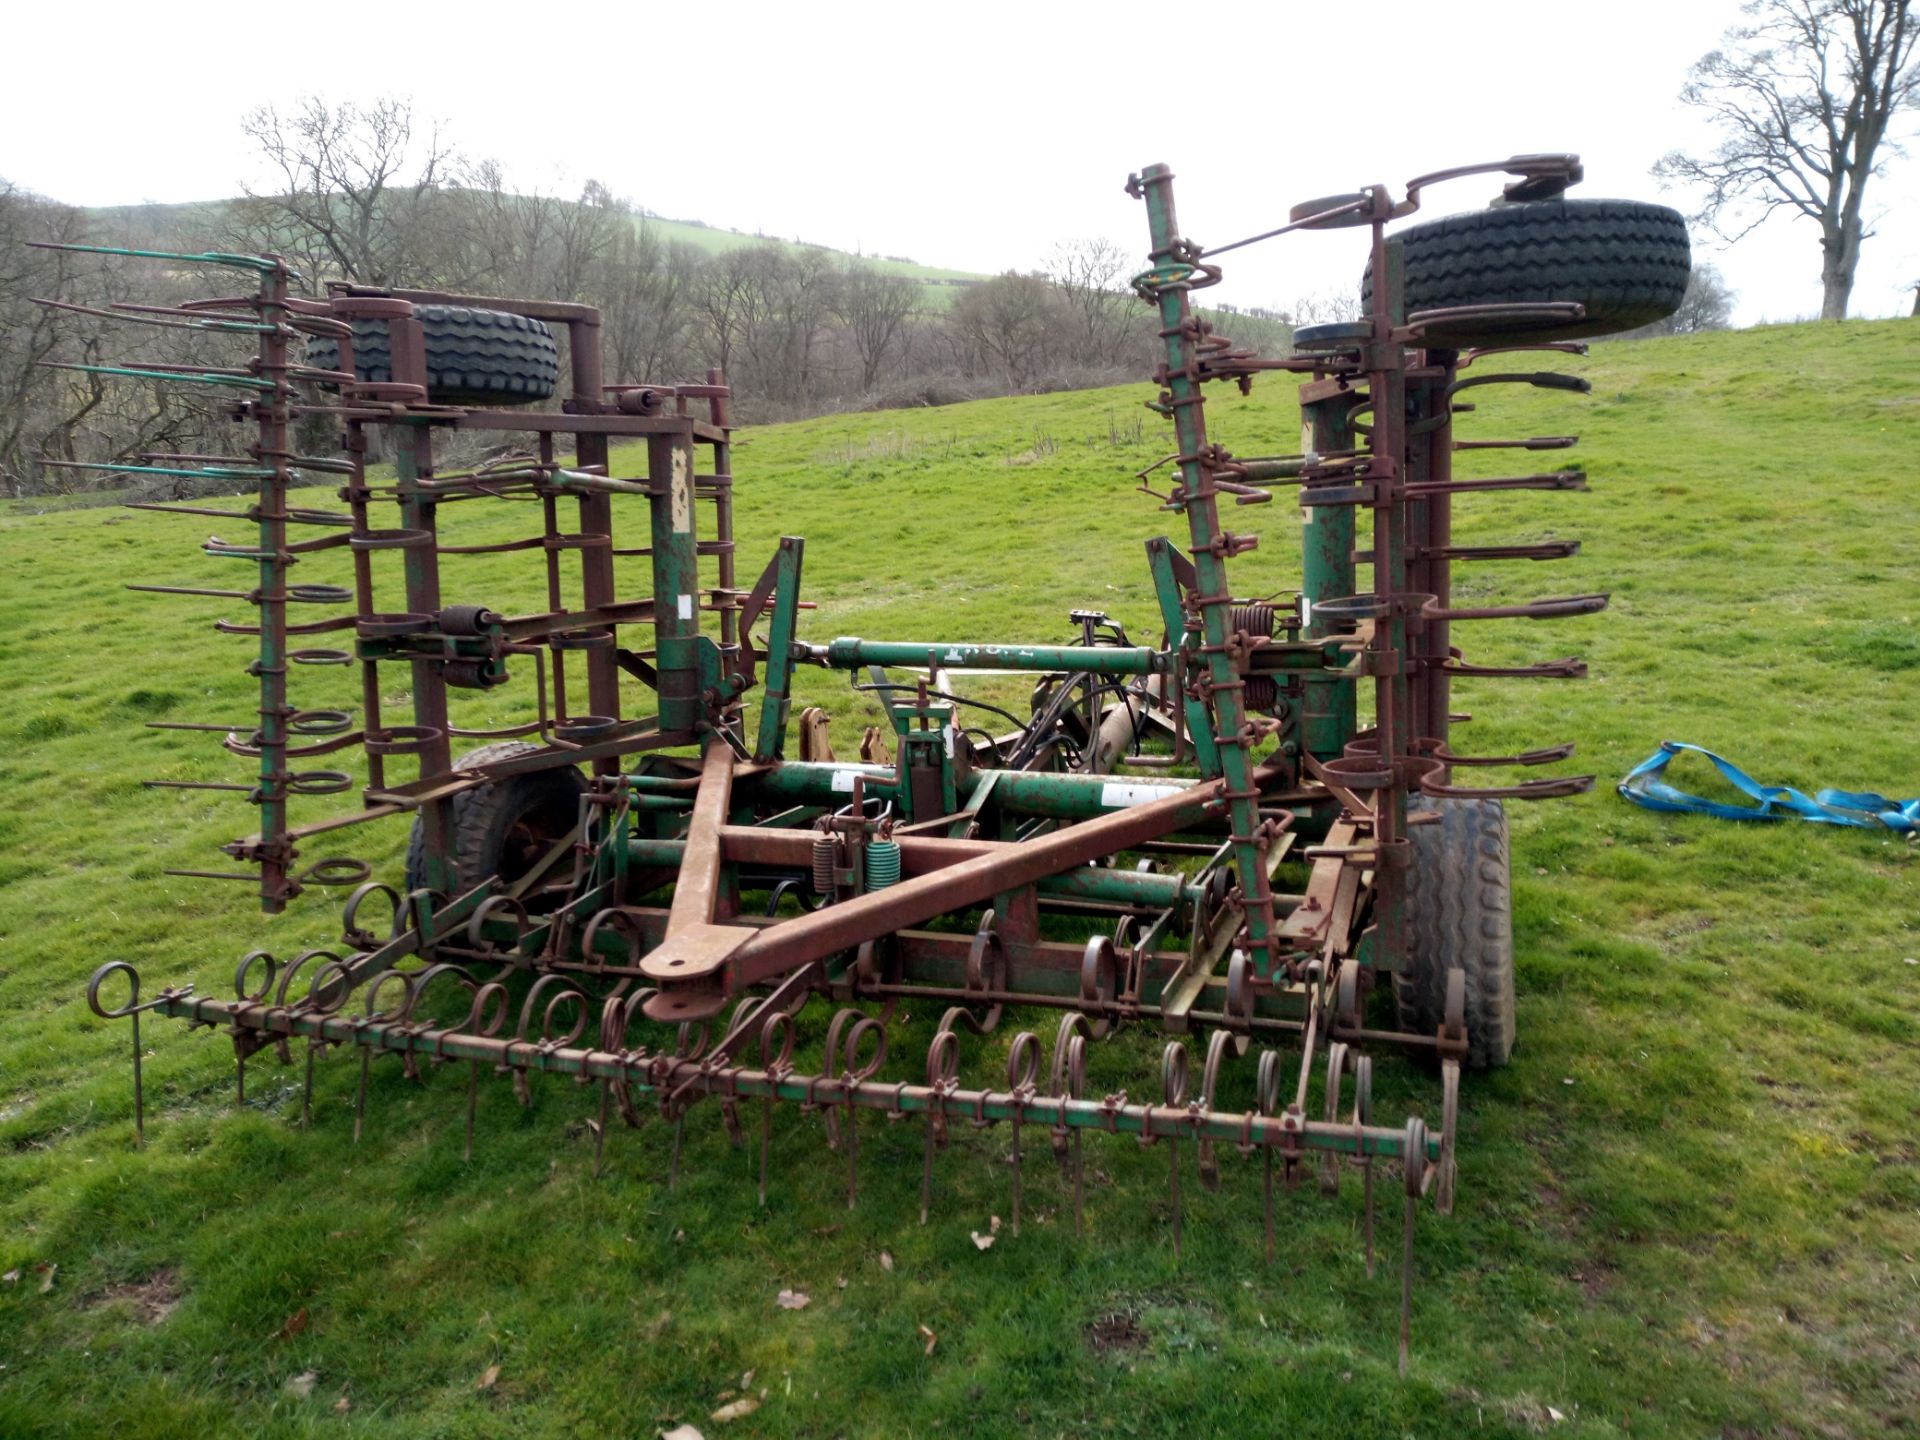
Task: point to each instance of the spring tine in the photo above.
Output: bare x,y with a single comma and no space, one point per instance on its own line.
1336,1069
1079,1191
1173,1093
1267,1151
853,1152
943,1069
1406,1285
600,1130
766,1145
1173,1170
139,1090
1023,1070
1266,1100
1363,1115
360,1097
1414,1161
473,1102
306,1090
239,1079
1016,1176
926,1173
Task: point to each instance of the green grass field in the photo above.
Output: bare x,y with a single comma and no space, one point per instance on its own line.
1691,1207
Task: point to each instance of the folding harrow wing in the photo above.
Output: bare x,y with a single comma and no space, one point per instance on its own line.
664,906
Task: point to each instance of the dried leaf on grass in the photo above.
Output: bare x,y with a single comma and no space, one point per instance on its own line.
745,1405
488,1378
793,1300
301,1385
931,1338
295,1324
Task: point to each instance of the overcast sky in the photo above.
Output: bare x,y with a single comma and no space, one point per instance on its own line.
974,136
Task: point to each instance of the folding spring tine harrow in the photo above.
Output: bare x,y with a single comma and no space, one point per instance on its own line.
705,895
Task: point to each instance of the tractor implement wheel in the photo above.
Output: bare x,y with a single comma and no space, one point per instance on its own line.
1626,261
504,828
474,357
1460,916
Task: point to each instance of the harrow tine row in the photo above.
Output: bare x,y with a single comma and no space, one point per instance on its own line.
552,1020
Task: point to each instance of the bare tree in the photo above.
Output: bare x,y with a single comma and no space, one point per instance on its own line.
1107,318
1009,324
31,334
650,296
1324,307
1803,98
875,307
358,189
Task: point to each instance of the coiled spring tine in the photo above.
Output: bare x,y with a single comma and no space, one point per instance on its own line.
1023,1068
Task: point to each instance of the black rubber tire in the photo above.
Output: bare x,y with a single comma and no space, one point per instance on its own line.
1460,916
474,357
1626,261
501,829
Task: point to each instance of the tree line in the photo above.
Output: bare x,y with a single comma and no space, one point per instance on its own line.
366,194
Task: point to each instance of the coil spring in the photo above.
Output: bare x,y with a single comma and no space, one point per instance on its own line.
826,856
1253,619
1261,693
883,864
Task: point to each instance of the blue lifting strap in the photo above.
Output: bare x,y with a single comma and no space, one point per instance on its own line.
1862,809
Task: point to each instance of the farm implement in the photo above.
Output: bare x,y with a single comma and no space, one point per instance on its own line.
669,904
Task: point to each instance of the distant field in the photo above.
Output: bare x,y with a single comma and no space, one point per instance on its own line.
146,220
1691,1207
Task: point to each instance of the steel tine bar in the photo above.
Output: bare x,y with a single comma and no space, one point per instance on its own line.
193,377
199,472
242,309
189,590
1354,206
207,257
235,326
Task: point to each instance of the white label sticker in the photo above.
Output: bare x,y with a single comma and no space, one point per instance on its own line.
1118,796
686,607
1306,611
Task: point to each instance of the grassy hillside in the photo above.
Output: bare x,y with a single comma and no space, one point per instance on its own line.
165,220
1690,1207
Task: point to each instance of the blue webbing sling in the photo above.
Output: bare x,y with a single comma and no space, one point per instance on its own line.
1864,810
